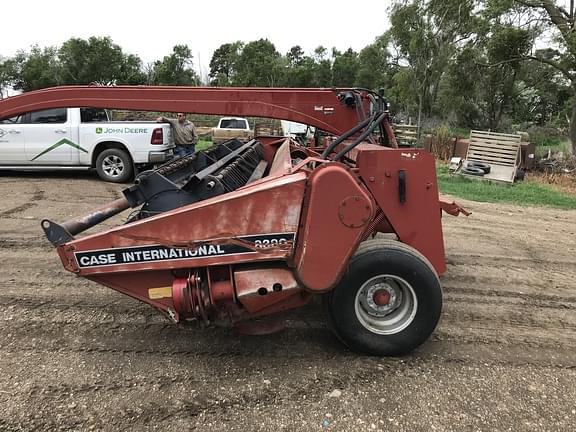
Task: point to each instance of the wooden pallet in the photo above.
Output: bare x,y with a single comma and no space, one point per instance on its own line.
500,151
406,135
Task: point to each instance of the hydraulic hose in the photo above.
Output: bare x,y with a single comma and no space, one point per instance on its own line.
345,136
368,131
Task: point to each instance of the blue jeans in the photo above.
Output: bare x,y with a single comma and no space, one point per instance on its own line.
182,151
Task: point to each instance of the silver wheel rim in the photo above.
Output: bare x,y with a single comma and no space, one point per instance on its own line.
113,166
386,304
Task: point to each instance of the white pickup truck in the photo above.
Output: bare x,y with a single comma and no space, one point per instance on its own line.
82,138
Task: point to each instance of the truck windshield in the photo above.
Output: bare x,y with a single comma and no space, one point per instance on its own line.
233,124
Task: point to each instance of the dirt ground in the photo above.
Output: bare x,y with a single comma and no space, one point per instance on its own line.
77,356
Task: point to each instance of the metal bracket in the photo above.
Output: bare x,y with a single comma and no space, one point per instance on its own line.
55,233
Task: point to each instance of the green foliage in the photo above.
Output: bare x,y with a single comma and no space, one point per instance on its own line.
463,63
443,143
559,19
259,64
525,193
373,65
34,70
345,68
426,35
202,145
5,75
77,61
544,136
295,56
322,68
553,146
503,51
482,81
548,139
224,63
459,132
175,68
509,44
97,60
300,68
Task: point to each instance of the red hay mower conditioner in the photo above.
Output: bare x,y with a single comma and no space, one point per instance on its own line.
247,230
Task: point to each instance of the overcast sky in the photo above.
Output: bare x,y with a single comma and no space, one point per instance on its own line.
151,29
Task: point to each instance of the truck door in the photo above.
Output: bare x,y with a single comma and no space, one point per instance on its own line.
12,150
48,138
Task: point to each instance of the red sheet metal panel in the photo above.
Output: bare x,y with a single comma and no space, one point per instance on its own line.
253,224
337,210
282,162
416,219
259,288
152,287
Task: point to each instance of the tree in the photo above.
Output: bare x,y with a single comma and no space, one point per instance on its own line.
176,68
259,64
545,92
482,85
344,68
425,34
322,68
373,65
6,75
300,69
224,63
563,23
463,96
131,71
506,43
295,56
35,70
98,60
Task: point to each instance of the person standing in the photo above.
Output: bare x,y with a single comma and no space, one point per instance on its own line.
185,135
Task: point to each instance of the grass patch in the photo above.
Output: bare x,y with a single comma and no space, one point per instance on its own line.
459,132
524,193
202,145
563,146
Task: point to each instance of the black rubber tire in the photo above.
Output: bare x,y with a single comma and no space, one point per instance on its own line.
484,167
473,171
106,173
384,257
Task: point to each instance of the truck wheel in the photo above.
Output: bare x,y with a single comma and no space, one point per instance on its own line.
114,165
388,302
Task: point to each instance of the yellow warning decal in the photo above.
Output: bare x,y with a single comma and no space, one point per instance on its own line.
158,293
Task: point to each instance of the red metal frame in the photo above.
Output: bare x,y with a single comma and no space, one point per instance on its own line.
316,212
320,108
